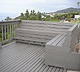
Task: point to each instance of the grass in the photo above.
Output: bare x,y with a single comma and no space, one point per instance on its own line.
76,21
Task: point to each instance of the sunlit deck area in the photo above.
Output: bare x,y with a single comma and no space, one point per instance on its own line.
32,39
19,57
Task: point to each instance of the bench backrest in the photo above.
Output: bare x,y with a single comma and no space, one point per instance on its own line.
71,38
67,40
45,25
34,35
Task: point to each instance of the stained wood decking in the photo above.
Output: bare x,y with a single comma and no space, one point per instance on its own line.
19,57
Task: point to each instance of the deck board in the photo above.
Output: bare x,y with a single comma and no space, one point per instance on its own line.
19,57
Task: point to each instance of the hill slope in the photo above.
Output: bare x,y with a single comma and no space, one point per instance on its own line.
68,10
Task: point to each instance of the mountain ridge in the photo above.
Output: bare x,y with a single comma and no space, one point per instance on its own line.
68,10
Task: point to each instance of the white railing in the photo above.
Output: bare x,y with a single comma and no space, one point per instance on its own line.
7,30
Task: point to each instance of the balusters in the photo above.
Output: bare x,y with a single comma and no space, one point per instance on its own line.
8,30
12,30
2,32
5,32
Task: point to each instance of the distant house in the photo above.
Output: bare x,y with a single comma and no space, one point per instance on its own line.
77,16
43,16
51,14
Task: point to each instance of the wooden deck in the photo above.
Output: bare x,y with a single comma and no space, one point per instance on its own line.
19,57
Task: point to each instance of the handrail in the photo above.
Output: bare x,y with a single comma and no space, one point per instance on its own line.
11,21
7,30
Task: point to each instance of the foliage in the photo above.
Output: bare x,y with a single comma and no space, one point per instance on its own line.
8,18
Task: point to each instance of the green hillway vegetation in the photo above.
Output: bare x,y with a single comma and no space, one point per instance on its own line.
37,16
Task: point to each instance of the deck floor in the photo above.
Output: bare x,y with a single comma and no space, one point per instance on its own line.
19,57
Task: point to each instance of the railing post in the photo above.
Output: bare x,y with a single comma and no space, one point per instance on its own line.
19,23
0,45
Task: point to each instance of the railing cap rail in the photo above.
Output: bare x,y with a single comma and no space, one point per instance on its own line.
10,21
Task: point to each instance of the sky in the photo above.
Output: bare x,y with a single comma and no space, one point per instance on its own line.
19,6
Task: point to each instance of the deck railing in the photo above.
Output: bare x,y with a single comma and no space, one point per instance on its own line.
7,30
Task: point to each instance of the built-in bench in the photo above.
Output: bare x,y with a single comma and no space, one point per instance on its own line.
59,39
39,32
60,50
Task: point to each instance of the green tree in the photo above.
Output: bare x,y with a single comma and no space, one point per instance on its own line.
31,12
39,15
26,14
8,18
21,16
69,17
78,5
32,17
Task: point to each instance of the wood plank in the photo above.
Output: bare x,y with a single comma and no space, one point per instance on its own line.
42,56
19,57
61,42
57,70
53,70
61,70
25,59
33,40
46,22
58,40
43,25
55,38
50,69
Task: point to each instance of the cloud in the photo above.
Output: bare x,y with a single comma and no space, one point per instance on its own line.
18,6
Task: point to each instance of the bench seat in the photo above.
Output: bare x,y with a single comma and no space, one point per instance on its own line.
34,36
56,54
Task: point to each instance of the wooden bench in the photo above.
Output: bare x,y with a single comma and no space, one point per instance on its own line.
33,36
60,50
59,39
29,28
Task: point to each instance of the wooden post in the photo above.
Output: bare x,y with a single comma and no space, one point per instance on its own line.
0,45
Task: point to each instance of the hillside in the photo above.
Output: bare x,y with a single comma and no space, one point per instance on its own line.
68,10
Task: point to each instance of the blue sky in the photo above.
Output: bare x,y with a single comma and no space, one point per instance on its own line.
18,6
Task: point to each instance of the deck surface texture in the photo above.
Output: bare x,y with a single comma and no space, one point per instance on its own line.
19,57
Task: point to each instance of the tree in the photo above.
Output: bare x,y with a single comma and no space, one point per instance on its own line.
21,16
69,17
39,15
26,14
31,12
8,18
32,17
78,5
